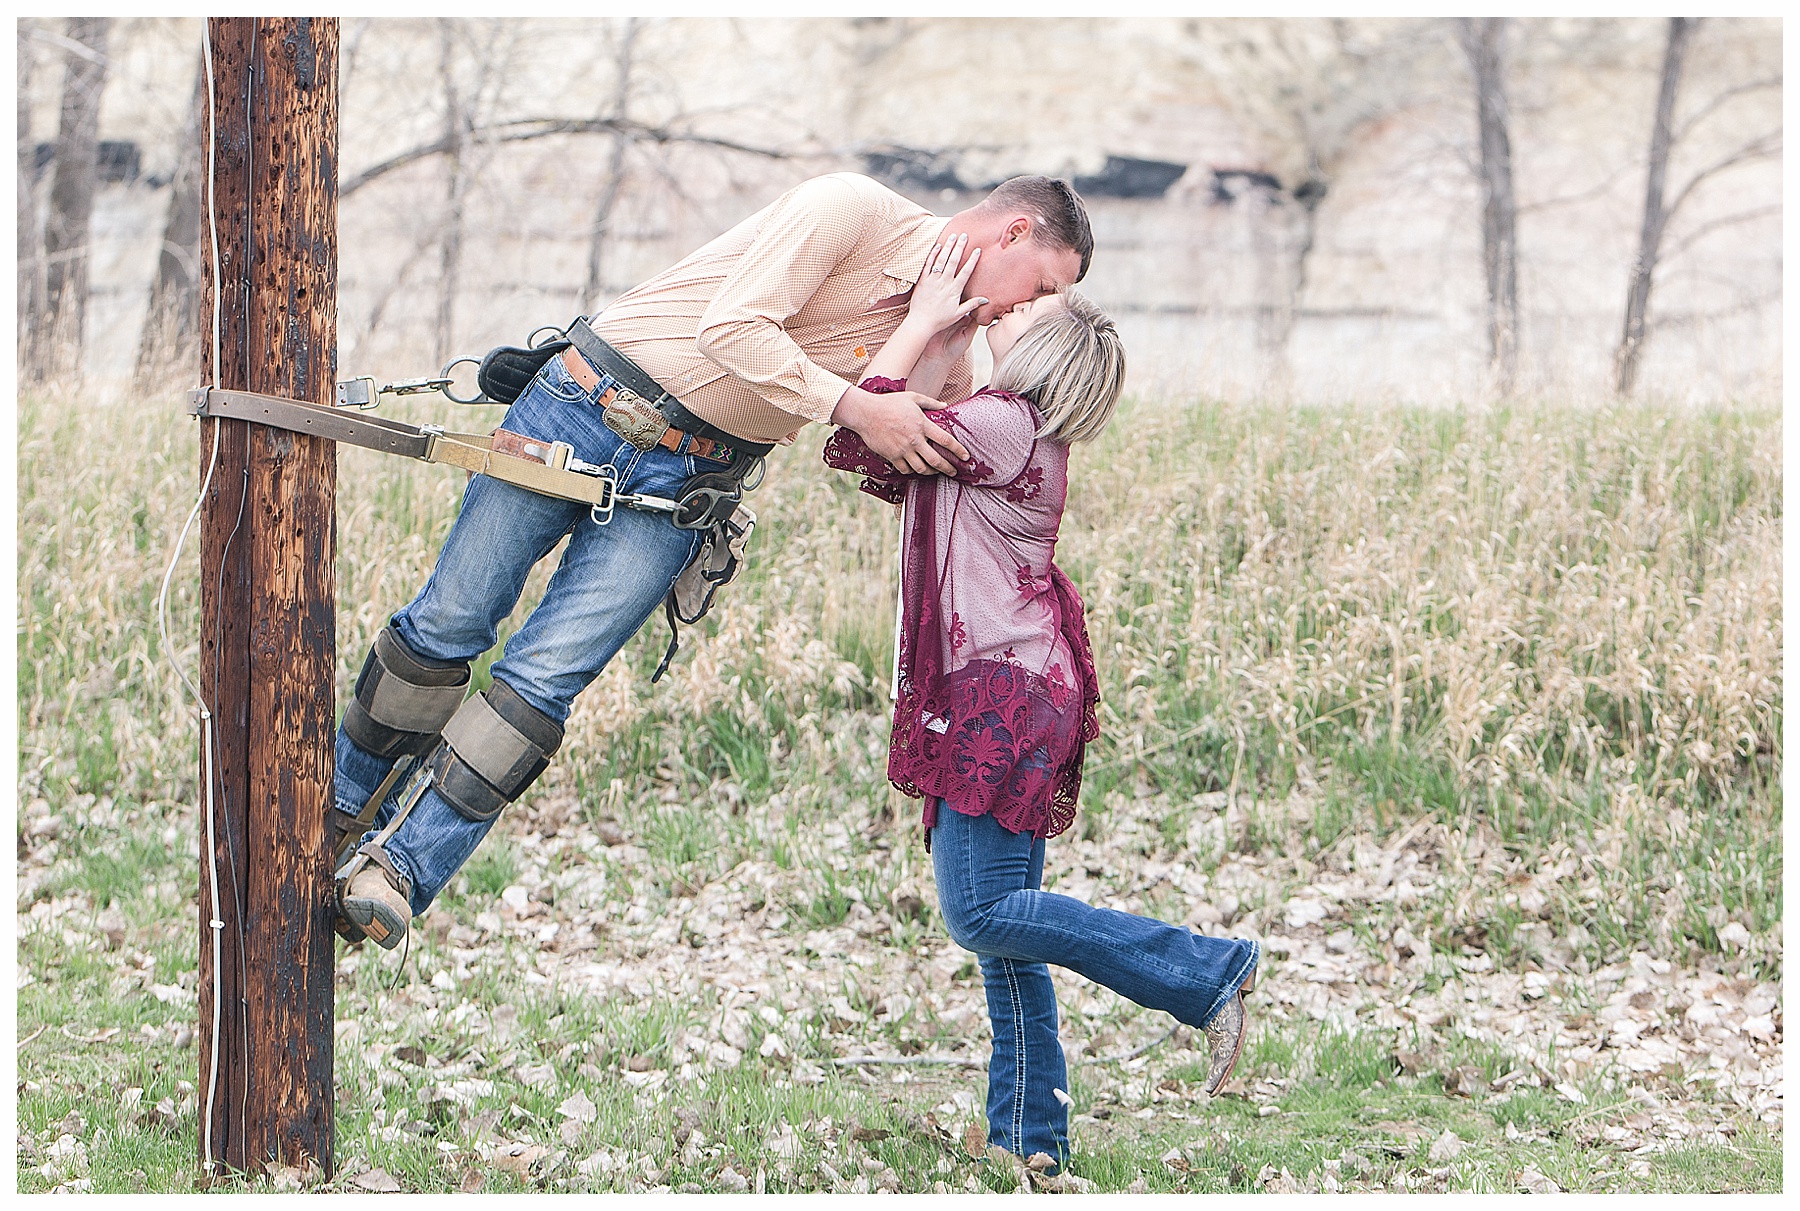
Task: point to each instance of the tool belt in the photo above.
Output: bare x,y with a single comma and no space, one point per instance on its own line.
637,408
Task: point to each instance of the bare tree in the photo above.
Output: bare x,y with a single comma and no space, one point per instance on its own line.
31,252
522,130
57,335
477,129
1660,208
173,318
1483,42
1656,215
615,167
457,124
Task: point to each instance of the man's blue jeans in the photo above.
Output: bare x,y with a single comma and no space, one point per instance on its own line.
988,888
609,581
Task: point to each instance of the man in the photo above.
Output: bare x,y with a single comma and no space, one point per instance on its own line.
757,333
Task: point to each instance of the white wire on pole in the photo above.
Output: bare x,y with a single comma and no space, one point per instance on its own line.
208,749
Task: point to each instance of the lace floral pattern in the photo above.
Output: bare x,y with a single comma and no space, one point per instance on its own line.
997,696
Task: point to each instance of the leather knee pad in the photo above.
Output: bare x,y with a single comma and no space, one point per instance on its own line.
402,699
493,748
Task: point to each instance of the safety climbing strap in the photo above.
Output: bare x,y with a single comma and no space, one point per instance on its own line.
347,829
562,475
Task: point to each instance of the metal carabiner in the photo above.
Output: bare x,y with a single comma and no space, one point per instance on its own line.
480,396
685,516
600,514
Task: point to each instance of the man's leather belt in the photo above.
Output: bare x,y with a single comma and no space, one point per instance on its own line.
638,407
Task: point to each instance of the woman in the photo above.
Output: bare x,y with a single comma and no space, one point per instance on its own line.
997,693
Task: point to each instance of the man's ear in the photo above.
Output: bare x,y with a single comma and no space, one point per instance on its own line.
1018,229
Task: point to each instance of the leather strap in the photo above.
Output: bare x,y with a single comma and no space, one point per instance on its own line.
629,374
490,745
472,452
584,374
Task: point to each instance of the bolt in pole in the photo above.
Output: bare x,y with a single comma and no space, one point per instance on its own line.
267,605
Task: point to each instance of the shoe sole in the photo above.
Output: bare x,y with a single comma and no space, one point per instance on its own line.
377,921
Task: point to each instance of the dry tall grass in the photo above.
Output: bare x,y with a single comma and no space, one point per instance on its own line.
1556,623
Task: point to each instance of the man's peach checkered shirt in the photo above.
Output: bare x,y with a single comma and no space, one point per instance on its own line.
767,326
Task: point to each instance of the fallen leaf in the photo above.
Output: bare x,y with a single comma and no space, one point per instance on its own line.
1537,1183
376,1181
975,1141
1465,1081
784,1143
1446,1147
519,1158
1281,1182
537,1076
1411,1062
577,1106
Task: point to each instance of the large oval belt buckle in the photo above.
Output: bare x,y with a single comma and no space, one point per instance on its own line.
634,418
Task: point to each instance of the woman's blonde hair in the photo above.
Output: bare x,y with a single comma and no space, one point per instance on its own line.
1071,364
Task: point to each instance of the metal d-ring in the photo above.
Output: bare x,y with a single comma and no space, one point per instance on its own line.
480,396
532,342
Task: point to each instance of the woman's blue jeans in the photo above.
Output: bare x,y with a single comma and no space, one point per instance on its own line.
610,579
988,888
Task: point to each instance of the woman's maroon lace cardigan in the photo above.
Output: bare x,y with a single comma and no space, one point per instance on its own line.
997,696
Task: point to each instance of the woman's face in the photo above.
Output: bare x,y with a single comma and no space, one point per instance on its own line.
1005,332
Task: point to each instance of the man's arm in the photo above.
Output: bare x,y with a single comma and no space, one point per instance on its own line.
802,239
805,235
894,425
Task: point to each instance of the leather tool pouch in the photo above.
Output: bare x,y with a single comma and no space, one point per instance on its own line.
506,371
716,563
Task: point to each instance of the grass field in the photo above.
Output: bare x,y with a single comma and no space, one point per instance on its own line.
1471,715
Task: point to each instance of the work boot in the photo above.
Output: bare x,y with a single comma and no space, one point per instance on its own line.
1225,1035
375,902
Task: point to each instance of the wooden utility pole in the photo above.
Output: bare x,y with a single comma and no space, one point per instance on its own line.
268,625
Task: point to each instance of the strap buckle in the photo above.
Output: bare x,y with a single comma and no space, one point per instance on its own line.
608,475
362,391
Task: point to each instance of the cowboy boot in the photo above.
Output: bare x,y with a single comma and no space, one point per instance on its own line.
1225,1035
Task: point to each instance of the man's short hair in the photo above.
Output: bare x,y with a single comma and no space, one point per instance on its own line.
1057,207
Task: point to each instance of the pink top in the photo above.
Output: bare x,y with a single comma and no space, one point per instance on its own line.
997,693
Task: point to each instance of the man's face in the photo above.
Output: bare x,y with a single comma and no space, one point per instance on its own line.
1019,268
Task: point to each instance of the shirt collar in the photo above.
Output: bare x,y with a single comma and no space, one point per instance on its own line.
908,260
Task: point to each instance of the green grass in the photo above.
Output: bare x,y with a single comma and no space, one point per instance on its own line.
1359,622
1344,1108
